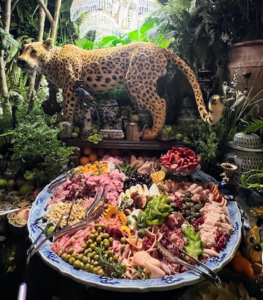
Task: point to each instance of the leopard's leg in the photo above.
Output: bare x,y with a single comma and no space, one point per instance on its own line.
69,104
141,79
157,107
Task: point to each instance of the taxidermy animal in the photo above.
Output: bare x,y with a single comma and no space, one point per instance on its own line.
138,66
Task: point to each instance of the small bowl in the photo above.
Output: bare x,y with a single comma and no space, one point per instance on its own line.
19,218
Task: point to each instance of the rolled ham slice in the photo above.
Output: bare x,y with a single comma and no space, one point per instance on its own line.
151,266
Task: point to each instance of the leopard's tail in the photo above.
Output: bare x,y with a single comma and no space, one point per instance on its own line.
216,111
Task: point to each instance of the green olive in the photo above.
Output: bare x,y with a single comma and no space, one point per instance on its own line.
110,252
106,243
70,251
92,262
123,266
84,246
110,259
87,267
85,259
115,258
123,240
91,269
93,231
105,236
60,252
100,272
82,266
76,264
95,270
93,246
96,263
98,240
123,247
96,235
80,256
96,257
75,255
64,256
106,255
91,236
111,240
99,229
71,260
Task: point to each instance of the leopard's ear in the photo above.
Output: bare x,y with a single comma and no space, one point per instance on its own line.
48,43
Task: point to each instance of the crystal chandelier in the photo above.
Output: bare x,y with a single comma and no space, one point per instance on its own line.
111,17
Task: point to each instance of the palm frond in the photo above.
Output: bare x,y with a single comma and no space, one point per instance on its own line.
255,125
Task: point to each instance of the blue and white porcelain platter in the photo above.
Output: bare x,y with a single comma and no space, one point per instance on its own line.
89,279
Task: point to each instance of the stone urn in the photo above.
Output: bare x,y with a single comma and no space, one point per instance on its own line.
247,57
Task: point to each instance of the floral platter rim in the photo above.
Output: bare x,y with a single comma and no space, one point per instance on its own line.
128,285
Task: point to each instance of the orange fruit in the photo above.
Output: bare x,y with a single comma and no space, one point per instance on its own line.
84,160
87,150
93,157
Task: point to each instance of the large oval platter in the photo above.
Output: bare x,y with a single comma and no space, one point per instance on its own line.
89,279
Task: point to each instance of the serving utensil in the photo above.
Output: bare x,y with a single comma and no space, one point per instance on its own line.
206,272
92,213
6,212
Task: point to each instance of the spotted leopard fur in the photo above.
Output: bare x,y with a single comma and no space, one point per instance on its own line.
138,66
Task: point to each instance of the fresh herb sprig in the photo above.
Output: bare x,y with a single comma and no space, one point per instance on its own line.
111,268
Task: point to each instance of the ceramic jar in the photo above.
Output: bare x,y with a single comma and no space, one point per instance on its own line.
246,150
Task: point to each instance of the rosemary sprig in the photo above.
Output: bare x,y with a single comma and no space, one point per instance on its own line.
111,268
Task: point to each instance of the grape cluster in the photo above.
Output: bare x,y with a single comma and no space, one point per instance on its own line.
137,178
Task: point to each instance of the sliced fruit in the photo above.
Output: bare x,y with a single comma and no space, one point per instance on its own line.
157,177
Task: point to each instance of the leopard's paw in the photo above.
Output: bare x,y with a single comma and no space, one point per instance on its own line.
149,134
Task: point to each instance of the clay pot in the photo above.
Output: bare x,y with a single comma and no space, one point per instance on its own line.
248,56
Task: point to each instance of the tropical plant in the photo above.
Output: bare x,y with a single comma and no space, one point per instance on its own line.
36,145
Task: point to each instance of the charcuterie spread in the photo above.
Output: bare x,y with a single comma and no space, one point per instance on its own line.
140,211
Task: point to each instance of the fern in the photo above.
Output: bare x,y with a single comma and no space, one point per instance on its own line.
254,126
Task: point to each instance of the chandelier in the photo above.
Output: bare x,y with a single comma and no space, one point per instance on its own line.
111,17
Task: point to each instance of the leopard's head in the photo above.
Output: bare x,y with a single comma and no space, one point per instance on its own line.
35,55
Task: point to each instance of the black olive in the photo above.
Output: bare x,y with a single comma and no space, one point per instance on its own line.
252,240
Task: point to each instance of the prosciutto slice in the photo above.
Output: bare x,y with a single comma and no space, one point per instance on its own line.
152,266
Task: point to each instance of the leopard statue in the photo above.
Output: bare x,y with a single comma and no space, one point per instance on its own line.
137,66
